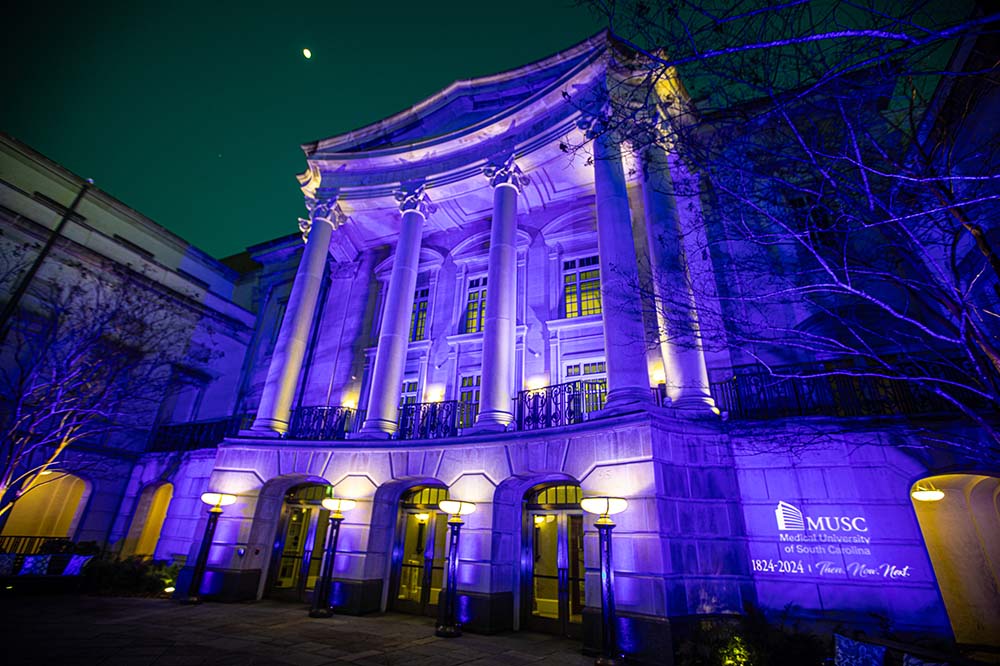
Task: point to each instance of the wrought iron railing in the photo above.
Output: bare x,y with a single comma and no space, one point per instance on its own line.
433,420
194,435
323,423
29,545
557,405
756,393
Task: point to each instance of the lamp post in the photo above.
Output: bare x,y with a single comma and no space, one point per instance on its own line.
216,501
604,507
448,627
321,606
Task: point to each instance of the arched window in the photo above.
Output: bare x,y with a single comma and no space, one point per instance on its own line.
147,522
51,508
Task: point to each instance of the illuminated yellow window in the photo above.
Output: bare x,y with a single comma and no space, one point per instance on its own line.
408,393
418,320
592,381
475,308
557,496
581,287
469,395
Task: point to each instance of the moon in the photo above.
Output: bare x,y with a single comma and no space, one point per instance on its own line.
307,53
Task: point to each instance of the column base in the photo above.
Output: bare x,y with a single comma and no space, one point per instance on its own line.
259,434
370,434
493,421
695,404
269,427
625,400
376,429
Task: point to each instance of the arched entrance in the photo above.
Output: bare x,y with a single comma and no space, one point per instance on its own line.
301,537
147,521
418,551
552,570
52,508
959,515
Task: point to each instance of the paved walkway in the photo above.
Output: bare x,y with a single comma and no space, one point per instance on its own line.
110,631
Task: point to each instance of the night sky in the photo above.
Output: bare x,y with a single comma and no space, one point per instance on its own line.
193,112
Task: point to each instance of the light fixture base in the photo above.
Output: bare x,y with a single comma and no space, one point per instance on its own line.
609,661
448,631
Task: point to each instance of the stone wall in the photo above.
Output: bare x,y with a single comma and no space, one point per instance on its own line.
857,554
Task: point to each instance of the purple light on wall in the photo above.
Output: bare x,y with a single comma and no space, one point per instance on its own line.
466,575
462,611
341,563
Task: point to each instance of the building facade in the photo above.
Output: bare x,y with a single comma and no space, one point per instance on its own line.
461,321
111,268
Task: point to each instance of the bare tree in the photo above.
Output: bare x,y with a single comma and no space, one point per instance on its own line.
90,355
839,163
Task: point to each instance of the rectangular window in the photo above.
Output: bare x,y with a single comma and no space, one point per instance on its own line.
593,379
408,392
468,394
418,320
475,307
582,287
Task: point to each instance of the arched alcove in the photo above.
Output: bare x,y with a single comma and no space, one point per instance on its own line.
383,534
509,524
53,507
959,516
266,521
147,520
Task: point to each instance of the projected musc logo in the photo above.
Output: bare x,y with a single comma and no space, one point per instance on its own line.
790,519
821,537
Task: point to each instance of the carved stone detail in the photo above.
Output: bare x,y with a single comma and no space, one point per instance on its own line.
506,172
412,197
322,210
595,123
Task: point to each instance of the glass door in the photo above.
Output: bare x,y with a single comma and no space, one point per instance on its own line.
298,551
420,568
556,588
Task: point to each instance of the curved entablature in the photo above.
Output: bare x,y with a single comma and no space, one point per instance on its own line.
539,126
538,101
442,114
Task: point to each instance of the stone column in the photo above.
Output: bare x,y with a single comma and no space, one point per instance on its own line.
624,335
289,350
668,193
394,338
495,410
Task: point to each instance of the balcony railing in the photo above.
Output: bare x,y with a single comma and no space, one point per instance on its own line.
323,423
194,435
752,393
557,405
434,420
756,393
30,545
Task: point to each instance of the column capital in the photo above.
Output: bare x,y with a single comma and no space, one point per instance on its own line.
596,122
503,171
321,210
412,198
